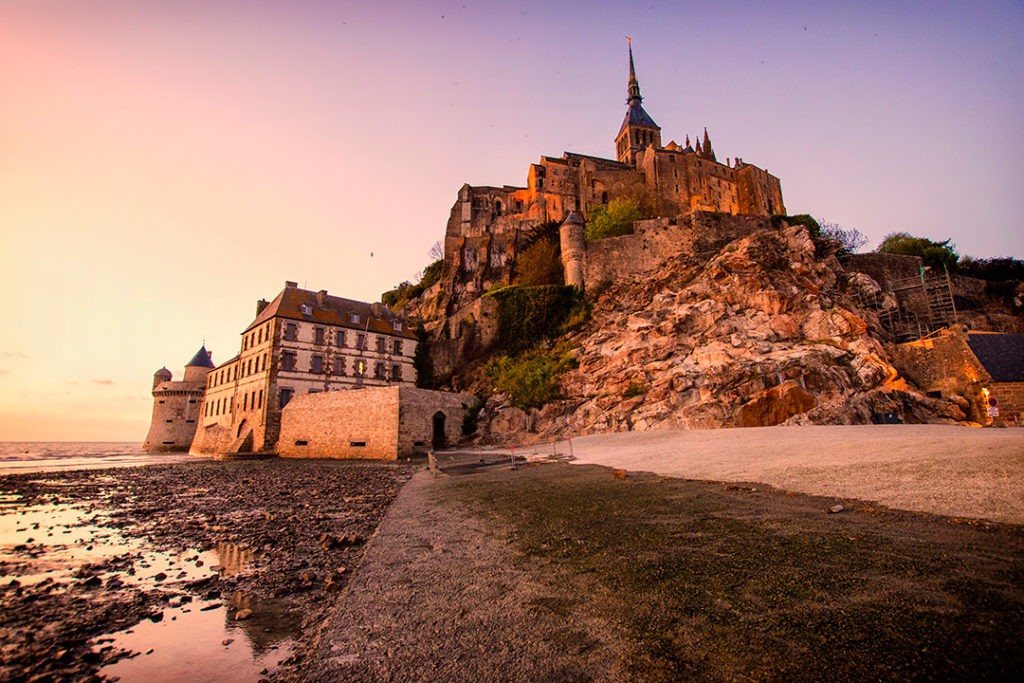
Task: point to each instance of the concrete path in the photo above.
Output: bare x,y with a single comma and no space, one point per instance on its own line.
941,469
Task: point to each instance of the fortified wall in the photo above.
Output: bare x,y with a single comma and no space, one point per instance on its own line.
380,423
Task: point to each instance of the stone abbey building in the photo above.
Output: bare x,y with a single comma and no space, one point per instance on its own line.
488,225
302,342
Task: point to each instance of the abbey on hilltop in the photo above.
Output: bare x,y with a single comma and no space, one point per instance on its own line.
488,225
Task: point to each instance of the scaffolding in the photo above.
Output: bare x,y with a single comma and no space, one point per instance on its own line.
924,304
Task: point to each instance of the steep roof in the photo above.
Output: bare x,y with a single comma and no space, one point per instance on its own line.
331,310
636,116
201,359
1002,355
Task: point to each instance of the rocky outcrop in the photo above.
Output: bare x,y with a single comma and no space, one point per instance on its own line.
768,331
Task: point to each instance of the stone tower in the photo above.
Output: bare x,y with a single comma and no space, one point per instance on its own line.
638,129
574,245
177,405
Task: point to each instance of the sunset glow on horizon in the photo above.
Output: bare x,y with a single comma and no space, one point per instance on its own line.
164,165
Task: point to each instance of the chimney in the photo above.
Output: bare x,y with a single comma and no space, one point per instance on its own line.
288,284
260,305
321,298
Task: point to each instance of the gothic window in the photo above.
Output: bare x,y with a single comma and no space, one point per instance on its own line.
260,404
318,365
378,371
339,366
360,368
381,344
291,332
318,335
397,348
361,342
396,373
339,338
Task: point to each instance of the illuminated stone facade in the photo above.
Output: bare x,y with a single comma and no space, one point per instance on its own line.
488,224
301,342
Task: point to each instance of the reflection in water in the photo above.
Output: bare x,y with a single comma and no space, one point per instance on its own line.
234,558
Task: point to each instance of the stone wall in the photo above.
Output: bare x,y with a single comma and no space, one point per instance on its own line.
378,423
417,410
885,269
177,409
360,423
944,364
632,257
1010,397
471,331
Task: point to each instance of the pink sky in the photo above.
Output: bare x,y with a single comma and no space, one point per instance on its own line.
163,165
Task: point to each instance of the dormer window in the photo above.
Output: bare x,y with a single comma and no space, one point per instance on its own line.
353,318
306,309
397,324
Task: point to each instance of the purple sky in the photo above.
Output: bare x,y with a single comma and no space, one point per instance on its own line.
165,164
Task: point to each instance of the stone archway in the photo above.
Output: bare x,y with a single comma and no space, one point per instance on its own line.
437,439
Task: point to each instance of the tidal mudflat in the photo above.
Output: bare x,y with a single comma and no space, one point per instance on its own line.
204,570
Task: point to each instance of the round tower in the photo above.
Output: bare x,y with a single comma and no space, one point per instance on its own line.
199,367
574,246
177,406
160,376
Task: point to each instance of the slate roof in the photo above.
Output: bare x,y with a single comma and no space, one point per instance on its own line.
1002,355
636,116
201,359
335,311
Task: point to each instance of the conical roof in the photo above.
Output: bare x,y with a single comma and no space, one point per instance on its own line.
201,359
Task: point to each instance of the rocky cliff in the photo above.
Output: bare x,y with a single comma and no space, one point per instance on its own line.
768,331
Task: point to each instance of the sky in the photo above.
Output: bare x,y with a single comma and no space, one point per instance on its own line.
164,165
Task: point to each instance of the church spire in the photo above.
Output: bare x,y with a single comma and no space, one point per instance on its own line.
634,85
709,153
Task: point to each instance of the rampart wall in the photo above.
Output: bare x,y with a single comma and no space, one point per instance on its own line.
378,423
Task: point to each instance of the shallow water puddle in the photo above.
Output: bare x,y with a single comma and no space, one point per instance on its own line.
195,642
52,541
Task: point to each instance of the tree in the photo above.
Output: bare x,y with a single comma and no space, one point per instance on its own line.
937,255
436,252
613,220
540,264
992,269
850,239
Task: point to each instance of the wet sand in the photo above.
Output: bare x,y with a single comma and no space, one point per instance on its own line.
201,570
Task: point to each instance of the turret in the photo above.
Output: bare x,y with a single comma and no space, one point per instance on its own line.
574,245
160,376
199,367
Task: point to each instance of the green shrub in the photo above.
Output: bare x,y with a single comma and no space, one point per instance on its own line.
938,255
529,380
613,220
806,220
540,264
529,315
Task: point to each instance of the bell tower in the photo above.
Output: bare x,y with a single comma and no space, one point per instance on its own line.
638,129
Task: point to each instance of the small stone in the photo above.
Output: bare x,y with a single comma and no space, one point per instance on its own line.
243,614
160,577
836,509
227,641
